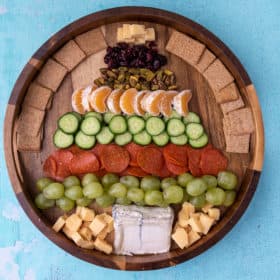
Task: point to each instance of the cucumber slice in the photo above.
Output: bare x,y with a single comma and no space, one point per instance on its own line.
68,123
174,115
175,127
94,114
108,116
77,115
90,126
135,124
62,140
142,138
84,141
161,139
200,142
146,116
155,126
194,130
123,139
179,140
191,118
118,125
105,136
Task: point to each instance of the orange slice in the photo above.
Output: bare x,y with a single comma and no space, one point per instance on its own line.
152,103
77,101
85,97
127,101
181,102
113,101
143,101
98,98
166,103
137,102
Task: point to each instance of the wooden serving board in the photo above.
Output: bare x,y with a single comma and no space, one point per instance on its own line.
26,167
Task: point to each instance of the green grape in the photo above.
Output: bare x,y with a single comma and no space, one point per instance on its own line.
42,202
130,181
105,200
198,201
196,187
93,190
227,180
186,196
150,183
167,182
153,197
123,201
71,181
74,192
215,196
65,204
42,183
54,191
140,203
117,190
173,194
135,194
109,179
211,181
230,198
84,201
88,178
183,179
164,204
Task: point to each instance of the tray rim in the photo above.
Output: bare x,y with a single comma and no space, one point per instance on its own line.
84,24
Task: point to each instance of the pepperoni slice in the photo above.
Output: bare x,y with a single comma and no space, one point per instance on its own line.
114,158
135,171
85,162
212,162
63,156
100,173
98,149
62,171
176,169
133,150
164,172
150,160
50,167
176,154
74,149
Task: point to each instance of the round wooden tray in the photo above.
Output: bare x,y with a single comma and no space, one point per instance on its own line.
25,168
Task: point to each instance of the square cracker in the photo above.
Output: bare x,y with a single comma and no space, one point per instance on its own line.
27,143
227,94
51,75
70,55
237,143
30,121
217,75
92,41
37,97
185,47
205,60
232,105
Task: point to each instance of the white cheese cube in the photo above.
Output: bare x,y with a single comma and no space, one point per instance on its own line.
180,237
150,34
214,213
206,223
59,224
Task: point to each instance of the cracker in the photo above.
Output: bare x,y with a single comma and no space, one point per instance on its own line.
185,47
37,97
232,105
92,41
27,143
70,55
237,143
217,75
51,75
205,60
227,94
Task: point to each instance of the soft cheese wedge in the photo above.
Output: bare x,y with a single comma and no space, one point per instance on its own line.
98,99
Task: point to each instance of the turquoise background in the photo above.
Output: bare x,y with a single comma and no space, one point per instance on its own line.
251,250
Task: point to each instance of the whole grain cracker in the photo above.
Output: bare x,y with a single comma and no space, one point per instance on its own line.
205,60
232,105
237,143
70,55
51,75
185,47
227,94
27,143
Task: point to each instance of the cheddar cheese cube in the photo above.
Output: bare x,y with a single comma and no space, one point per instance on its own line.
97,225
87,214
188,209
86,233
195,224
137,30
59,224
150,34
206,223
69,233
182,219
193,237
120,34
103,233
103,246
73,222
180,237
214,213
206,208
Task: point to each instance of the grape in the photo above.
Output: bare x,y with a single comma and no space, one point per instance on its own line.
153,197
54,191
42,183
215,196
211,181
93,190
65,204
198,201
196,187
105,200
42,202
130,181
183,179
167,182
164,204
84,201
135,194
150,183
88,178
186,196
140,203
173,194
71,181
230,198
74,192
123,201
227,180
109,179
117,190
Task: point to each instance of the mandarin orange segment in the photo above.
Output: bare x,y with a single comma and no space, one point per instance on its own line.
181,102
152,103
127,101
143,101
166,103
77,101
98,99
113,101
137,102
85,97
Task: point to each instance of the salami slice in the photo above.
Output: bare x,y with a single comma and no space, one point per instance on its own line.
164,172
133,150
62,172
63,156
176,154
84,162
176,169
50,167
100,173
135,171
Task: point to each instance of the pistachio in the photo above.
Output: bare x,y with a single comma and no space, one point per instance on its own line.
127,87
138,86
159,75
172,87
103,71
121,77
154,87
133,81
111,74
167,72
123,69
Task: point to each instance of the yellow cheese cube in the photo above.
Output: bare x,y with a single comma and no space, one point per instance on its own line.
140,40
86,233
120,34
193,237
137,30
103,233
87,214
195,224
206,223
59,224
73,222
86,244
150,34
188,209
214,213
68,232
126,31
182,219
206,207
180,237
76,237
78,210
97,225
103,246
86,224
109,221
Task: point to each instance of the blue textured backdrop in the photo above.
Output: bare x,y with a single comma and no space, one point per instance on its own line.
251,250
